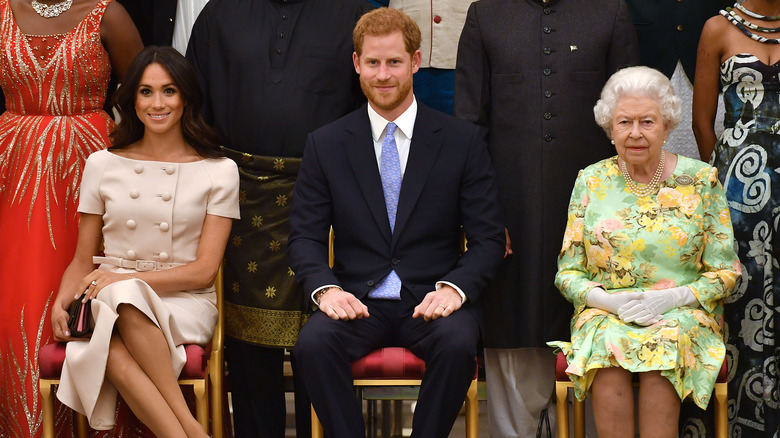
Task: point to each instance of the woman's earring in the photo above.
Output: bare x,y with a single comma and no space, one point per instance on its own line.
612,141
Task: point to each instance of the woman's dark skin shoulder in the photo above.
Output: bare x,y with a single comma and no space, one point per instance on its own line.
117,31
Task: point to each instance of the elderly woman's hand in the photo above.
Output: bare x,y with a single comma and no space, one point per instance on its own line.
600,299
651,306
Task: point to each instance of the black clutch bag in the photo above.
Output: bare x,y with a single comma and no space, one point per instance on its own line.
80,316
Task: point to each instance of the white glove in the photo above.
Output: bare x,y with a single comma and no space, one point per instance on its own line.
600,299
650,308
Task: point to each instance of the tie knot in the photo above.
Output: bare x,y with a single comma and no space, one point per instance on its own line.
390,128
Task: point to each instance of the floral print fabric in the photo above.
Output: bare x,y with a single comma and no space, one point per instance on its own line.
680,236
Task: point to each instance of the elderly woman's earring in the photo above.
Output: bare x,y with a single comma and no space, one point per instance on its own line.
612,141
664,141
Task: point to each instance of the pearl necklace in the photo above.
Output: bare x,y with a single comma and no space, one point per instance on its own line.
49,11
651,186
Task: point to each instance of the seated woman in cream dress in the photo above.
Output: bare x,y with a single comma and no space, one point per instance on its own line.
647,260
162,201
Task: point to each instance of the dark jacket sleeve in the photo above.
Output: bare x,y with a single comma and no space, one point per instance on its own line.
624,51
482,223
310,220
472,73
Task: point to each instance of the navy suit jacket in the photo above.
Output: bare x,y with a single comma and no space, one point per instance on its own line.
448,182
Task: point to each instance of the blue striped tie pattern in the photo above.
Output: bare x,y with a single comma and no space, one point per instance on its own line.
390,171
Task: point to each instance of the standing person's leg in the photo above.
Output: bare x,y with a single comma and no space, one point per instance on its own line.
520,384
257,388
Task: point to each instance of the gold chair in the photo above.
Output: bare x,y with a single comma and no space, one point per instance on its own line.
203,371
563,383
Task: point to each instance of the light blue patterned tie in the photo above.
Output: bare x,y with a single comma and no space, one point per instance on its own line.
390,171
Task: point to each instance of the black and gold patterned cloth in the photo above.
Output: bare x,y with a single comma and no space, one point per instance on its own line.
263,304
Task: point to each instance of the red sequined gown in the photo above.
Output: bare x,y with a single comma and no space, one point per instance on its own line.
54,86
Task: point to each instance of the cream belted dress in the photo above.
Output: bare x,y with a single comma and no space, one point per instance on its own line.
153,214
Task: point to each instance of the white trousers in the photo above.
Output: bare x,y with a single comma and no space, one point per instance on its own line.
520,383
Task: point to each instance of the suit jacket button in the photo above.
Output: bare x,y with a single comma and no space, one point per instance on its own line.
370,283
396,261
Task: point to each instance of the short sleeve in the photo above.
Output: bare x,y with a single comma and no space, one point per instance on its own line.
223,199
90,201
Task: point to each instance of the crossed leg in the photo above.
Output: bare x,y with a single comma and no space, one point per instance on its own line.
140,367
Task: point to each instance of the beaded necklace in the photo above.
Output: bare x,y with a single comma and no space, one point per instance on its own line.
747,32
750,13
751,25
50,11
651,187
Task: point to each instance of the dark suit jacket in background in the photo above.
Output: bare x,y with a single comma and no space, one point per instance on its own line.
669,30
154,19
529,74
448,181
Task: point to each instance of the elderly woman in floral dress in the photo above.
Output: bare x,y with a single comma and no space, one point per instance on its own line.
647,259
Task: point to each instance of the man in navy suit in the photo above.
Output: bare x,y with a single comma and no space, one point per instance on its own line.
396,180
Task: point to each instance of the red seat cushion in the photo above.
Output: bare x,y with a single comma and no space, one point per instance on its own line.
50,360
52,356
389,363
561,365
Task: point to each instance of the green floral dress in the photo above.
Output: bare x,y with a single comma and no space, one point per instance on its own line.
679,237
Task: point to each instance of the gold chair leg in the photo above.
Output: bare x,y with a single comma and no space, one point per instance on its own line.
215,378
562,408
472,411
316,426
579,417
201,404
721,410
82,426
47,406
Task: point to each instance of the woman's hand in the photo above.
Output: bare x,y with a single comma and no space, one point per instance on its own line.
59,321
601,299
95,281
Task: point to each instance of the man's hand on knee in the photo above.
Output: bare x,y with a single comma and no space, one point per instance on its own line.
338,304
438,304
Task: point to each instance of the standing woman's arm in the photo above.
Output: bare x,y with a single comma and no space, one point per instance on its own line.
707,84
120,38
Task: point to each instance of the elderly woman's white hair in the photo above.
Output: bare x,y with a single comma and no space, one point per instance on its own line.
638,82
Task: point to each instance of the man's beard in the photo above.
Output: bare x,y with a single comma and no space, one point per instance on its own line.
389,101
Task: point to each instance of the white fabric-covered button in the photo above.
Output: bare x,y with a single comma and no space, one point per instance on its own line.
138,168
166,196
134,193
163,256
170,170
131,224
164,226
131,254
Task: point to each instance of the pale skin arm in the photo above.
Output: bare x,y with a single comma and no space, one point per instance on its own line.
120,38
80,273
706,86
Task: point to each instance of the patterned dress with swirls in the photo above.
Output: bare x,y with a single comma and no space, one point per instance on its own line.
680,236
748,157
54,86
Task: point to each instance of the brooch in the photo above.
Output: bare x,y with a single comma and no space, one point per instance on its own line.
683,180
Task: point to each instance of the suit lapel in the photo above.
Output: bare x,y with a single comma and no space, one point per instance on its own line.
362,158
423,151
